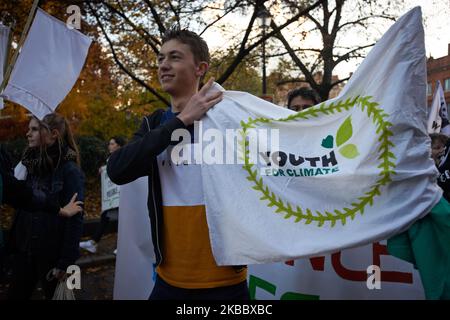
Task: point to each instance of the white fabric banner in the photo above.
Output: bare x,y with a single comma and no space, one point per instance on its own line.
254,232
341,275
48,65
434,119
348,172
438,121
135,257
348,274
4,37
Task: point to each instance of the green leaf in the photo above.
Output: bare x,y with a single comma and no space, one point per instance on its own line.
349,151
328,142
344,132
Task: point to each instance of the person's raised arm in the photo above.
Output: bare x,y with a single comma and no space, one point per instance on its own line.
134,160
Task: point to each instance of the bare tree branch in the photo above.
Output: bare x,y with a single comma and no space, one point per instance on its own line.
339,81
280,54
243,52
220,17
337,19
326,58
308,76
348,55
176,13
161,27
120,64
317,23
149,39
359,21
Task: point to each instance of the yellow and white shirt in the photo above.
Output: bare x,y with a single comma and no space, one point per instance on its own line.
188,261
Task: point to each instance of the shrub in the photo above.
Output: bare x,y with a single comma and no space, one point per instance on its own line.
15,148
93,154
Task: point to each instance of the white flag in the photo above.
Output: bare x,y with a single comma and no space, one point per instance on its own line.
48,65
438,118
4,36
350,171
245,229
135,257
443,111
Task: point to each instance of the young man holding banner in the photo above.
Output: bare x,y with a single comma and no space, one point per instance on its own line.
186,268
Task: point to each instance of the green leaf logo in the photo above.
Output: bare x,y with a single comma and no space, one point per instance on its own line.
344,132
349,151
328,142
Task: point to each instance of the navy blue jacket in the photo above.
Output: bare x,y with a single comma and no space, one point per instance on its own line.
43,232
138,159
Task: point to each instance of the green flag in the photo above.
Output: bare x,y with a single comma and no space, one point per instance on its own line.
427,245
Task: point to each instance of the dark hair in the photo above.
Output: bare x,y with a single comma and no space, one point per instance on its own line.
304,93
439,137
119,140
50,122
198,46
56,121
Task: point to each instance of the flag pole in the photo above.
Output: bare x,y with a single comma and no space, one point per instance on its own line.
8,46
8,29
19,46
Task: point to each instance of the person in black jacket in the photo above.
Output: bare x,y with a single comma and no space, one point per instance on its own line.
91,245
45,239
440,152
17,194
185,265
